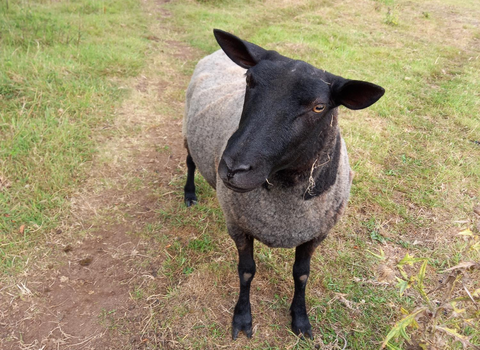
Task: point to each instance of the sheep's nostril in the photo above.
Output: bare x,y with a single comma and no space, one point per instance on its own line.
242,167
230,170
237,169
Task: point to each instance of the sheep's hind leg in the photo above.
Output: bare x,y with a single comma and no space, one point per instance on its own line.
189,189
242,316
301,271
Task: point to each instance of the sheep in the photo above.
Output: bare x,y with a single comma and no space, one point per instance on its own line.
263,131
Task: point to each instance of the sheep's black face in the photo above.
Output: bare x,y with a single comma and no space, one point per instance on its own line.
289,114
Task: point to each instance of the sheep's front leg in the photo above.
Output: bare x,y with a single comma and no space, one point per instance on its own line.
301,271
189,189
242,316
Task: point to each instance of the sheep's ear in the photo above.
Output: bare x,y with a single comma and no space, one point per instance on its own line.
243,53
356,94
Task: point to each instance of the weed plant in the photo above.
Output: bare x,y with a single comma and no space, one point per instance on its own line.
448,310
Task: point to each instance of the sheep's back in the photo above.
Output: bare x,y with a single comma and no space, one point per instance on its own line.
213,108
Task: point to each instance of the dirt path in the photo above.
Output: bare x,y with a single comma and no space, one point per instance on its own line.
84,289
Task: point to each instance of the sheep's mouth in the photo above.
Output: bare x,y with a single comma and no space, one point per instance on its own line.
237,189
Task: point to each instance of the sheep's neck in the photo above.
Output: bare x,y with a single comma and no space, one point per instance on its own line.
316,176
323,174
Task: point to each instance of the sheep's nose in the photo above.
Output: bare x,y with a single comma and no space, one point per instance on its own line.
239,176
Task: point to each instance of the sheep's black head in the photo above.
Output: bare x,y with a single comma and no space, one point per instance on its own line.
289,113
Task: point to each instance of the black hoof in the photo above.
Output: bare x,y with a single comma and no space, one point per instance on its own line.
304,334
242,323
301,326
190,200
235,331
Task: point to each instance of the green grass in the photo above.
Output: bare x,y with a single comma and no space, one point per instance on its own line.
60,63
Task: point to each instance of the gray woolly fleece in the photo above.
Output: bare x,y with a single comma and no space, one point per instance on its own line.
278,216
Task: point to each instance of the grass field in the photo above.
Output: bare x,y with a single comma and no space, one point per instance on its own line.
70,71
58,65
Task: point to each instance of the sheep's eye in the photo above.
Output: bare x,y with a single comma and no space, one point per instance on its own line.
319,108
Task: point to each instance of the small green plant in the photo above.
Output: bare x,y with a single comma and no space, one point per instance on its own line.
441,311
391,17
372,227
202,244
162,149
188,270
107,318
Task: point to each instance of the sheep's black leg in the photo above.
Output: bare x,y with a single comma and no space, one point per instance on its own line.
242,316
301,271
189,189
